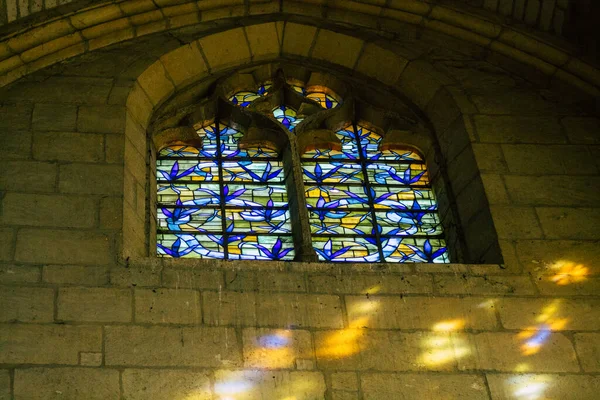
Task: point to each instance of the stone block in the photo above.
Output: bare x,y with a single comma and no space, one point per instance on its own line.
337,48
569,223
91,179
48,210
90,359
225,49
502,351
54,117
423,386
486,285
373,284
7,244
564,314
15,117
26,304
155,83
588,350
101,119
62,247
518,129
582,130
516,222
298,39
139,108
264,41
47,344
229,308
16,144
549,160
192,278
130,276
489,157
184,65
343,395
114,148
75,275
18,273
167,306
275,349
5,390
68,146
166,384
549,257
94,305
298,310
302,385
67,383
354,349
265,281
162,346
494,188
571,282
438,314
574,191
564,386
33,176
344,381
111,213
381,64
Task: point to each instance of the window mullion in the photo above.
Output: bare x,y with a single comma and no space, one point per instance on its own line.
363,164
219,154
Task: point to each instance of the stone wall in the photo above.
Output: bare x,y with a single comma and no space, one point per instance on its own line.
77,321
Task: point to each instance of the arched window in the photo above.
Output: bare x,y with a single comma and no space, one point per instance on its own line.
222,201
371,204
357,197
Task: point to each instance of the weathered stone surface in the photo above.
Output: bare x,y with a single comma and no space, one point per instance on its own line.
276,348
167,306
26,304
565,313
101,119
48,210
192,278
344,381
18,273
370,284
54,117
455,387
550,256
67,383
588,350
505,129
529,190
47,344
66,146
91,179
337,48
569,223
298,38
62,247
94,304
166,384
5,385
385,312
507,386
272,384
33,176
171,347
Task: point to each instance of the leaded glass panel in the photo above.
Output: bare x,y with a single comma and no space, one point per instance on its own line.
370,205
219,201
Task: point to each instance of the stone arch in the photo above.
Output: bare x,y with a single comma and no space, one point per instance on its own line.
209,56
79,31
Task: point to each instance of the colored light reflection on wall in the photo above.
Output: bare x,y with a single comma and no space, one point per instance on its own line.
444,347
528,387
536,336
568,272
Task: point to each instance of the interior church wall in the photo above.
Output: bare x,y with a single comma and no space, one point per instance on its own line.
78,320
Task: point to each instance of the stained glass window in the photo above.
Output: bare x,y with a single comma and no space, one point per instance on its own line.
368,205
220,201
284,113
